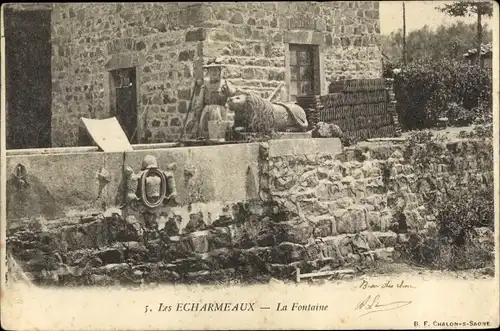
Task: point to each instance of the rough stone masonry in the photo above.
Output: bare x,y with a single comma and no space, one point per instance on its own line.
167,44
316,210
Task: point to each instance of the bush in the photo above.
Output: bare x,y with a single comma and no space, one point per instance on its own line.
456,242
479,132
388,68
426,91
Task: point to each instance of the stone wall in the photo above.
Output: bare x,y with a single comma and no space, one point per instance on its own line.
167,43
351,38
90,40
373,187
319,207
252,39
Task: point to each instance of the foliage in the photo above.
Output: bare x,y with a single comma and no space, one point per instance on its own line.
456,242
467,8
464,210
461,235
348,140
420,149
483,112
458,113
419,137
479,132
426,91
449,42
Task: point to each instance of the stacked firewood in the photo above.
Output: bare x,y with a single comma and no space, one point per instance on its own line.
359,108
312,106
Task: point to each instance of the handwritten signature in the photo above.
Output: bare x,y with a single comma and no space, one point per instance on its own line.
373,305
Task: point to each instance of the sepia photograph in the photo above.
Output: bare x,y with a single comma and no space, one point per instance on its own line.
218,165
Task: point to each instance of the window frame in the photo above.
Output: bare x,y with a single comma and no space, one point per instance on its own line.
316,75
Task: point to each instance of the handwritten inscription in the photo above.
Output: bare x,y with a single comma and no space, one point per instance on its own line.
387,284
375,304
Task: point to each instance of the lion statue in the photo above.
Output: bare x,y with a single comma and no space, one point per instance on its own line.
253,113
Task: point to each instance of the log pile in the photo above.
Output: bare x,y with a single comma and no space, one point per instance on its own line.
312,106
360,107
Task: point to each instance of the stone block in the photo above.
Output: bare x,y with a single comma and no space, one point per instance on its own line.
384,254
324,226
345,41
373,220
284,183
322,173
198,241
377,201
313,251
360,243
322,251
281,271
196,35
76,240
326,190
341,244
220,238
237,19
196,223
414,219
157,273
110,255
288,252
186,55
225,219
176,248
385,220
309,179
292,231
114,270
41,262
248,73
102,280
372,239
342,203
184,94
173,225
190,264
352,221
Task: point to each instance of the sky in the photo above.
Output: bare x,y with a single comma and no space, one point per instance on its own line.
418,14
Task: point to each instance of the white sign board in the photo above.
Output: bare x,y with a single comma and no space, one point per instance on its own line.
108,134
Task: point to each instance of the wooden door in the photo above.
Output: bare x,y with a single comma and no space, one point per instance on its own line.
126,101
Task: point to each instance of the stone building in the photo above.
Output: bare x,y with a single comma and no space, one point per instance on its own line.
139,61
486,55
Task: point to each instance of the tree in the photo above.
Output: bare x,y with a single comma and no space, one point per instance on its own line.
469,8
445,41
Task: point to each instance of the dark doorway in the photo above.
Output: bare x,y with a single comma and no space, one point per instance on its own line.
28,78
124,101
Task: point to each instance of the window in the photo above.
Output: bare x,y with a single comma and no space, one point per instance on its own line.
304,75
